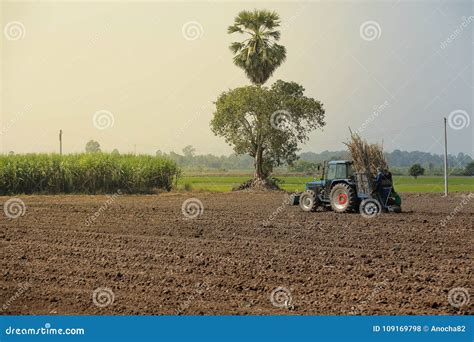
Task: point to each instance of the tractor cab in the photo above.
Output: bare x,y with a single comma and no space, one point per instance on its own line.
334,171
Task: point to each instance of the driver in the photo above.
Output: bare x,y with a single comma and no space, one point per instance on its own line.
383,185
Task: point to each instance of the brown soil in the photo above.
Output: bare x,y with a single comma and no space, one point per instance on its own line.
230,258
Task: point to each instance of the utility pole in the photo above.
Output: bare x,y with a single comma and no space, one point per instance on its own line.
60,142
445,159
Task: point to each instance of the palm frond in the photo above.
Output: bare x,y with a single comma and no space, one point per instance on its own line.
259,55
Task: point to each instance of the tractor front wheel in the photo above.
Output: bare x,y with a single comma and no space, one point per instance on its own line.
343,198
308,201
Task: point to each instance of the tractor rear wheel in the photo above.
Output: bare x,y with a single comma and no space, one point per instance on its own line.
309,201
343,198
370,207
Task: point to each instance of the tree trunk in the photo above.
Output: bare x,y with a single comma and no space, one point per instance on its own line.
259,165
259,181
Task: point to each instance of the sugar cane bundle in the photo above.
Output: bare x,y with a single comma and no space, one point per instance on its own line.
366,157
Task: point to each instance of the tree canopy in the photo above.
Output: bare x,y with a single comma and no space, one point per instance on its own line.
416,170
469,171
267,122
92,146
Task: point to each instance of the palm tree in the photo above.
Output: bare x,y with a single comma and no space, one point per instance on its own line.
259,55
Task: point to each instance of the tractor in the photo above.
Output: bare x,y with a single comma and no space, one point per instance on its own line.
343,190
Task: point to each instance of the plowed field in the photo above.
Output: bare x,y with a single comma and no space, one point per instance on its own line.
142,255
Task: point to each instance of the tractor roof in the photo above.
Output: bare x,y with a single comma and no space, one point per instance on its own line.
340,162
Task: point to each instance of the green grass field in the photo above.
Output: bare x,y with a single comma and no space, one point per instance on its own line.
221,183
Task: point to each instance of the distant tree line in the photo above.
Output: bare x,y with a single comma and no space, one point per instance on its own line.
397,158
399,161
190,160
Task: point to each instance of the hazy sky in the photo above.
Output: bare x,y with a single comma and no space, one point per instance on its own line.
146,74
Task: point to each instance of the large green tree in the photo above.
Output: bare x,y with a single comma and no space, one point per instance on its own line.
258,55
267,123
